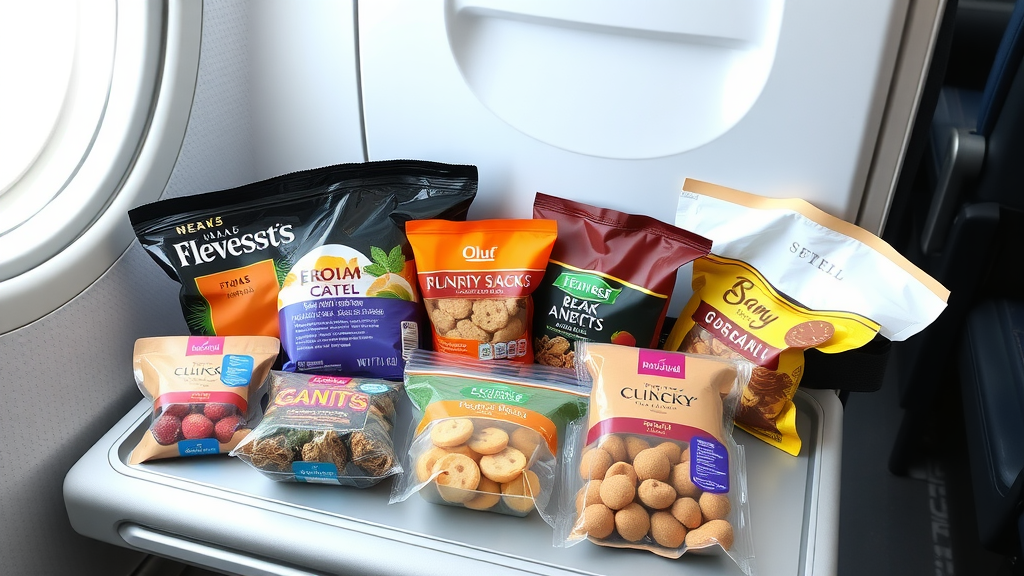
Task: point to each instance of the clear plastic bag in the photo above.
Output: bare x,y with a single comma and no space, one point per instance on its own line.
655,466
486,436
325,429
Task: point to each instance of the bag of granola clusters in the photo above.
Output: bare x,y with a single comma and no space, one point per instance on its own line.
656,467
486,435
476,279
205,391
318,257
609,278
325,430
785,277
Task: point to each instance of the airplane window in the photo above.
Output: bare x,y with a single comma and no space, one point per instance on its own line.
94,107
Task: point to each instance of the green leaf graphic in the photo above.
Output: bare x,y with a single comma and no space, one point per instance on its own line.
396,260
379,256
375,270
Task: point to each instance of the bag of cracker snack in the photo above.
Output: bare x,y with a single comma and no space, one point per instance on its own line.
609,278
656,467
325,430
318,257
785,277
476,278
205,392
486,435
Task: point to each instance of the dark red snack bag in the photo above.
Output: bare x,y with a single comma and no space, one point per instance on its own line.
609,278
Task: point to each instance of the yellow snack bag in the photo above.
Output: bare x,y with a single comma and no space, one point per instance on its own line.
736,313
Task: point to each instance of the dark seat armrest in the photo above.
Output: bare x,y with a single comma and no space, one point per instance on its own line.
963,160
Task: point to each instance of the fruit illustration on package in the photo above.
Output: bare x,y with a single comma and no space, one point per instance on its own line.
623,338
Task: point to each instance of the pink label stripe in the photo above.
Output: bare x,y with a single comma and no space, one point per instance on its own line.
645,427
200,397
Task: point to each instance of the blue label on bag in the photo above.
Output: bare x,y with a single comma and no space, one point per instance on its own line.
236,370
317,472
200,447
709,465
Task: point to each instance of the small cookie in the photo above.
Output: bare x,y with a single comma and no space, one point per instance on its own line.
809,334
520,494
471,331
488,441
504,466
513,305
488,494
425,463
451,432
458,477
491,315
524,440
512,331
457,308
443,322
465,451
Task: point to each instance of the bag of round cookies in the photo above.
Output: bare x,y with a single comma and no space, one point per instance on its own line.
656,467
476,279
486,436
325,430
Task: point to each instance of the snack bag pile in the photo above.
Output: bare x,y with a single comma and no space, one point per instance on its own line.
476,279
486,435
325,429
609,278
784,277
656,466
319,258
205,392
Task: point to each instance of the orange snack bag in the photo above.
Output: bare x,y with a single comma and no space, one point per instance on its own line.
476,279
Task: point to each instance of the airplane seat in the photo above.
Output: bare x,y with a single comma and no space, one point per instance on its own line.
992,386
972,209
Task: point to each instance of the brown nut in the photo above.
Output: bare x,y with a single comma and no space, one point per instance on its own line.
632,522
595,464
591,494
714,506
680,480
635,445
622,469
666,530
597,520
687,511
671,449
616,446
710,533
652,463
617,492
656,494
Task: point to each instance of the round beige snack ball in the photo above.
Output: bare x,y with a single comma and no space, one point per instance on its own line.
666,530
652,463
687,511
616,446
680,480
590,494
634,446
595,464
671,449
617,492
714,506
632,522
656,494
622,469
597,520
710,533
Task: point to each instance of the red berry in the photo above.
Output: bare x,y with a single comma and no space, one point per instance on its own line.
196,426
166,429
215,410
226,427
176,410
623,338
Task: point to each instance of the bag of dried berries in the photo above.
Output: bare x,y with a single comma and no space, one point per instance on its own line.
326,430
655,466
486,436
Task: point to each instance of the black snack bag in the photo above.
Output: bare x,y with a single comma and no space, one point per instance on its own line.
318,258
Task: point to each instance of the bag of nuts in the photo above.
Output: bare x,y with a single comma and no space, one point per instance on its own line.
486,436
476,279
325,430
656,467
